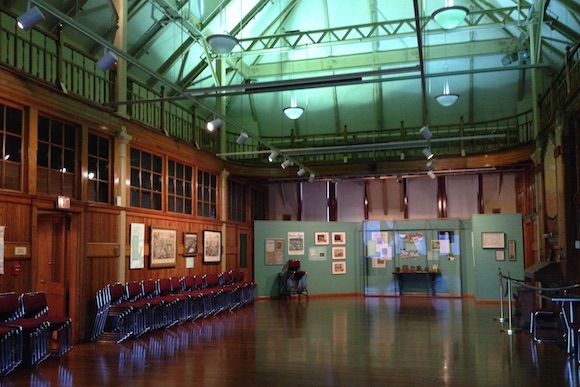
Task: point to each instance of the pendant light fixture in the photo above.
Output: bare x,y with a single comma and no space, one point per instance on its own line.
450,16
222,44
447,98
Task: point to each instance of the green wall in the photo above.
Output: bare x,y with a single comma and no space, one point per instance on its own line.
485,265
470,270
320,277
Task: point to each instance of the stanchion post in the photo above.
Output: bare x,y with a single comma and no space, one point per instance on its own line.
510,329
501,317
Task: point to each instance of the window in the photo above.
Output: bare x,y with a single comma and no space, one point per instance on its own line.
236,201
98,169
179,187
259,204
11,144
206,194
56,157
146,178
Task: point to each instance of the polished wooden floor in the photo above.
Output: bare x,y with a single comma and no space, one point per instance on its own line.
338,341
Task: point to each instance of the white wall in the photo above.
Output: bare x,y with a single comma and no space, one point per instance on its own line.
462,190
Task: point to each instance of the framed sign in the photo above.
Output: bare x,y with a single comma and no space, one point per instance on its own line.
500,255
493,240
163,247
512,250
212,246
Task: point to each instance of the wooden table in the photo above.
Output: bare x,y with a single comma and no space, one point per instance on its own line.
430,278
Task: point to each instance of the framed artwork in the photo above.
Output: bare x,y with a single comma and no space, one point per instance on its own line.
320,238
512,250
137,258
274,251
163,247
189,244
493,240
338,238
295,243
339,252
339,267
212,246
500,255
435,243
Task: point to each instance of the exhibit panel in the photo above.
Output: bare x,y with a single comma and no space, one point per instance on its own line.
408,257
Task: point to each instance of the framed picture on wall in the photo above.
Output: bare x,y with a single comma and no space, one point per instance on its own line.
339,267
189,244
493,240
163,247
500,255
320,238
338,238
212,246
512,250
339,252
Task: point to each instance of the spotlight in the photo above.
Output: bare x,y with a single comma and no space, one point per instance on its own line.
286,164
431,174
301,172
242,138
30,18
311,177
430,165
107,61
509,59
428,154
272,156
425,132
214,124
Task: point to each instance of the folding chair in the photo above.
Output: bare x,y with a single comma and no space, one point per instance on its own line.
35,332
34,305
10,349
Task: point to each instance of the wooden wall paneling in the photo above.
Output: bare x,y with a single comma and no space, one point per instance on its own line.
19,283
15,215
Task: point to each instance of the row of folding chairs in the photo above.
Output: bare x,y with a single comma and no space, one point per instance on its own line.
135,308
27,331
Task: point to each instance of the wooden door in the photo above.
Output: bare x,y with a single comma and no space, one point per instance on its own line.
52,242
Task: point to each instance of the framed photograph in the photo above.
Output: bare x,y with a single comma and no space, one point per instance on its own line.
338,238
500,255
493,240
212,246
189,244
339,252
435,243
512,250
163,247
339,267
320,238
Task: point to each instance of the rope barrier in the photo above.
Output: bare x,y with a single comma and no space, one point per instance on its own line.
508,294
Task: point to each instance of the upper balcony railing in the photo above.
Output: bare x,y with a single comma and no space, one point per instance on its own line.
565,84
49,60
447,140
